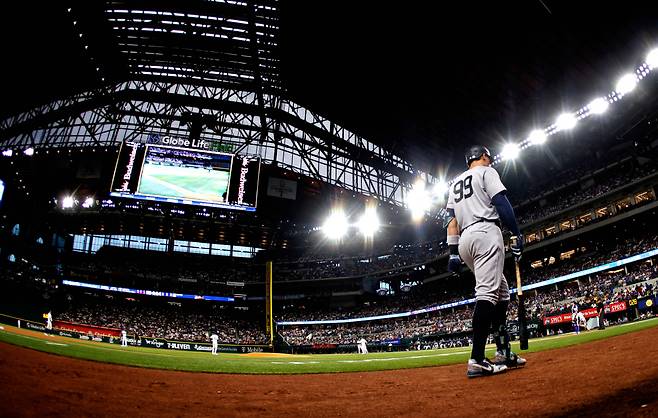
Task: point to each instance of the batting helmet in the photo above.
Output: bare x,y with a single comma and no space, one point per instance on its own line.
475,152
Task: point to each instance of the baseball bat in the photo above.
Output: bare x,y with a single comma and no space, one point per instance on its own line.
523,327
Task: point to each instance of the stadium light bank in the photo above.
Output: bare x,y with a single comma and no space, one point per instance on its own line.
568,120
418,199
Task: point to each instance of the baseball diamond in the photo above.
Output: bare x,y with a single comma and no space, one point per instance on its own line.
275,208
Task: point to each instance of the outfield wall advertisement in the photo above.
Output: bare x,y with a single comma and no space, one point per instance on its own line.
197,346
87,329
611,308
112,336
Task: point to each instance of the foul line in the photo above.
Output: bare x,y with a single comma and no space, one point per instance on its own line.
91,346
455,353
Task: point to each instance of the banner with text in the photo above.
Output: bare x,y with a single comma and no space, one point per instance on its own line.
588,313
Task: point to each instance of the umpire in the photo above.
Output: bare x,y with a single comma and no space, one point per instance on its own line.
476,205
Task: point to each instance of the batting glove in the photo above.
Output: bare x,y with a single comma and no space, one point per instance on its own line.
517,247
454,263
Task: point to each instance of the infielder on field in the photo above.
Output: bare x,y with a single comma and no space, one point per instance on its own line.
49,321
214,339
124,338
581,321
574,317
477,203
361,346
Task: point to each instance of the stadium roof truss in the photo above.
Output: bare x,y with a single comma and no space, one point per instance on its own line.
166,64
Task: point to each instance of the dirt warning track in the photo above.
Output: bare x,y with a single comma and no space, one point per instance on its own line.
612,377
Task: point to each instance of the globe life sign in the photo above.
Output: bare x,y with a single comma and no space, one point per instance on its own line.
157,139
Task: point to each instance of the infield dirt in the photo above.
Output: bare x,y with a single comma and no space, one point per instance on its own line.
613,377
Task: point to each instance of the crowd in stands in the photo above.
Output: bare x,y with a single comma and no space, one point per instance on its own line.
382,330
455,323
29,275
560,201
596,253
398,260
545,301
399,257
610,288
171,322
600,253
183,273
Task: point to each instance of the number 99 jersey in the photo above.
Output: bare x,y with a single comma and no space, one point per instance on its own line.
470,196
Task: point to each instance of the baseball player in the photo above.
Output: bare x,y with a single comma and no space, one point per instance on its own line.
600,309
362,348
574,317
477,203
124,338
580,320
49,321
214,339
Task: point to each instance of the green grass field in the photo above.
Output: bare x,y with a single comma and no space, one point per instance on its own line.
285,364
185,182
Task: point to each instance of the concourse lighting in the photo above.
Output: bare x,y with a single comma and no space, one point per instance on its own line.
565,121
29,152
652,58
67,202
626,84
418,200
598,106
537,137
88,203
369,222
510,151
335,227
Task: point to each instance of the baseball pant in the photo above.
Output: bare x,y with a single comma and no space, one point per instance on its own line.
481,248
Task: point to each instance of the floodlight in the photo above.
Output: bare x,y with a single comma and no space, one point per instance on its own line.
626,84
7,153
67,202
418,200
510,151
335,227
369,222
29,152
598,106
88,203
537,137
652,58
441,188
565,121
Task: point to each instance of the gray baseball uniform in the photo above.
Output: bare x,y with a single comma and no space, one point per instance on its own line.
481,242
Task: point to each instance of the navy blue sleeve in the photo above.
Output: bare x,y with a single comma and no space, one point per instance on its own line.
506,212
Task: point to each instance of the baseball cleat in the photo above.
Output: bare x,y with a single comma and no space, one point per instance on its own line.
514,361
483,368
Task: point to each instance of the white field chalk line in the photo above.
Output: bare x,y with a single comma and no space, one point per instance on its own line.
373,359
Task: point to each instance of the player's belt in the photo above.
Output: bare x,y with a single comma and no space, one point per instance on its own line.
493,221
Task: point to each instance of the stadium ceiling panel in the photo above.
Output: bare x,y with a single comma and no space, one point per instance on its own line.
208,68
229,42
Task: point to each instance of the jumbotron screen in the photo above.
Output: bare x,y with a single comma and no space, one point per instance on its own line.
187,176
